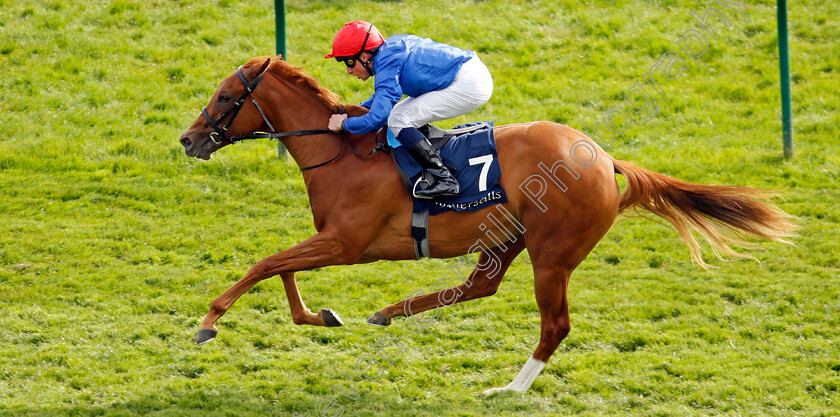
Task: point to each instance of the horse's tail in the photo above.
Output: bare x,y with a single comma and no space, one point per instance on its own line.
723,215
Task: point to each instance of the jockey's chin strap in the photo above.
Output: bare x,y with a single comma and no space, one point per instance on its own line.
366,64
358,56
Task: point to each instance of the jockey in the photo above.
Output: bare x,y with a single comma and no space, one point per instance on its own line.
441,82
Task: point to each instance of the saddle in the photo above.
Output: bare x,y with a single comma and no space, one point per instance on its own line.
469,151
438,137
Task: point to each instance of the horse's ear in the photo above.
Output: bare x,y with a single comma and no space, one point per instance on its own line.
253,70
264,65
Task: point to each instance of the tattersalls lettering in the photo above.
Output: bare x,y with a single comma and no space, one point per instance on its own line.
491,196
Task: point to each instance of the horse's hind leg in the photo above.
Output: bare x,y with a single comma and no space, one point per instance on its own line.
482,282
550,285
554,255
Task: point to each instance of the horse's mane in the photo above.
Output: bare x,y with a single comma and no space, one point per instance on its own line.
300,78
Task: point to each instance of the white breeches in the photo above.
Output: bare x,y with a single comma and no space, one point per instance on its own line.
472,87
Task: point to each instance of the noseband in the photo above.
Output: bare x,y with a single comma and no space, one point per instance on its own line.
218,135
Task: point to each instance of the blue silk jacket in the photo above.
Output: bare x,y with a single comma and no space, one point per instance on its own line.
406,65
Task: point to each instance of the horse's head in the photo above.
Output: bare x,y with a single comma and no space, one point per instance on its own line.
230,113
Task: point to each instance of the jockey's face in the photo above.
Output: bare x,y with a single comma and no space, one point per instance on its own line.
358,69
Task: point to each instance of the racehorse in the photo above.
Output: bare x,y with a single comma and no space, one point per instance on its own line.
362,212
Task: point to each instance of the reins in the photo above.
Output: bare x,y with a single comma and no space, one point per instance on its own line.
218,135
380,147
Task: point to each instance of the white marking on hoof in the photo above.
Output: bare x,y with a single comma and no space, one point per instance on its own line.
523,381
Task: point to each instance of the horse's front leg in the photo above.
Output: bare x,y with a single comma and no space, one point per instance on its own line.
318,251
301,314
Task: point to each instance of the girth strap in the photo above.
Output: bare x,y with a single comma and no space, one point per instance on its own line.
420,234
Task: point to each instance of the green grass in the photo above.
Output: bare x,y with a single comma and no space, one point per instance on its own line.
113,243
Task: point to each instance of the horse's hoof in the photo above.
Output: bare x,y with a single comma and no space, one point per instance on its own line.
379,319
331,318
492,391
204,336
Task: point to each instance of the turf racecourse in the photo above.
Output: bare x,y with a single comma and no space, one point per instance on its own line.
113,242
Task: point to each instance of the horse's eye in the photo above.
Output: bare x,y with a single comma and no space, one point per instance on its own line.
224,98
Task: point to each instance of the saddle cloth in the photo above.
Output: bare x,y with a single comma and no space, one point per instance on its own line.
470,151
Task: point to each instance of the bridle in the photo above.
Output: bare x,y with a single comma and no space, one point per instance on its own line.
218,135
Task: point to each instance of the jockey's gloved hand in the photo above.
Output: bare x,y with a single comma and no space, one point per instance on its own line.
336,123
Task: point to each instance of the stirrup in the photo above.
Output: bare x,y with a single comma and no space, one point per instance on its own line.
416,183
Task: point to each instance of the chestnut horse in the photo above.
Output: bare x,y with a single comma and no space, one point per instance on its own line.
362,212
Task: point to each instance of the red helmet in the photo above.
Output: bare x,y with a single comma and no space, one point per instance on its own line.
355,38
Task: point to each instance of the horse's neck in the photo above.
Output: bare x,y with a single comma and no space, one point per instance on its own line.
289,108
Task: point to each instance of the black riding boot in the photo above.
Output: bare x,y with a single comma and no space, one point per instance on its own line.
443,184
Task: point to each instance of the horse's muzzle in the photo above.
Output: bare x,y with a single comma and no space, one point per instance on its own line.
195,149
